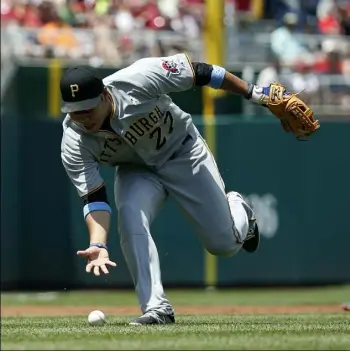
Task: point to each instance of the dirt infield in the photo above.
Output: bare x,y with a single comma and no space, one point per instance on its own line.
40,310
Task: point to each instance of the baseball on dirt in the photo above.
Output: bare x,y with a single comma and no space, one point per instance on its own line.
97,318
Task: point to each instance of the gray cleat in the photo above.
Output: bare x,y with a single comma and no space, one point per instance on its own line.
153,317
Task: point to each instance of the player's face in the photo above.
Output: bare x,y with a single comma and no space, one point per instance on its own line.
91,120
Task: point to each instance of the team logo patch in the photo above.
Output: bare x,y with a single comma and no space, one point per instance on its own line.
171,66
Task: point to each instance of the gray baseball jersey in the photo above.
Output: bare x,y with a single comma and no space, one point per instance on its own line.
149,126
153,162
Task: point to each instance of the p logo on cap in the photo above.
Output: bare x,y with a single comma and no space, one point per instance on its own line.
74,88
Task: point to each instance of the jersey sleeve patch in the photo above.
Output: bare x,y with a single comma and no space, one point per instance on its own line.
171,66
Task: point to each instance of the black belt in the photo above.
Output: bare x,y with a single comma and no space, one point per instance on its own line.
187,138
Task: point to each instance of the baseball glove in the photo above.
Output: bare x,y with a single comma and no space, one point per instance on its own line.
295,116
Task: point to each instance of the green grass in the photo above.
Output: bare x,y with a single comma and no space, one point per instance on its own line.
201,332
283,332
301,296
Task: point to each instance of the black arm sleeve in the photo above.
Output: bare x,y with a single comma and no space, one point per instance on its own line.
99,195
202,72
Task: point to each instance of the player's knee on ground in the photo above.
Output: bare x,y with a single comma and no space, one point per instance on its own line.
131,220
223,244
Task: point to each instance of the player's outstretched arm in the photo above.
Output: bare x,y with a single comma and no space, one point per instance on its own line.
83,171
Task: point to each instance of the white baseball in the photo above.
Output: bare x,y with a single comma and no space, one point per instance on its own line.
96,318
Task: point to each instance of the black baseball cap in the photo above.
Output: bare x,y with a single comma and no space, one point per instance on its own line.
81,89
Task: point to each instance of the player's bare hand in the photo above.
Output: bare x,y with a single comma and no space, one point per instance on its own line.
98,259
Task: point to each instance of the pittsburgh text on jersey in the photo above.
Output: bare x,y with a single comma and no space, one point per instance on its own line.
152,125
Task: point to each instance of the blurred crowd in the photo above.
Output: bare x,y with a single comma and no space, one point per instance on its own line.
307,47
108,30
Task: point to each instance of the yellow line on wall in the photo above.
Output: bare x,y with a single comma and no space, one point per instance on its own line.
54,95
213,35
210,261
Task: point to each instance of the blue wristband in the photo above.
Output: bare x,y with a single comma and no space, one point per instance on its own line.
100,245
217,77
96,206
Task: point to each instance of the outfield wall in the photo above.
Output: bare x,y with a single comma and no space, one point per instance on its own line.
300,191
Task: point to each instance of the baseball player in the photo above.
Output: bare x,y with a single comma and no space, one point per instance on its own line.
128,121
